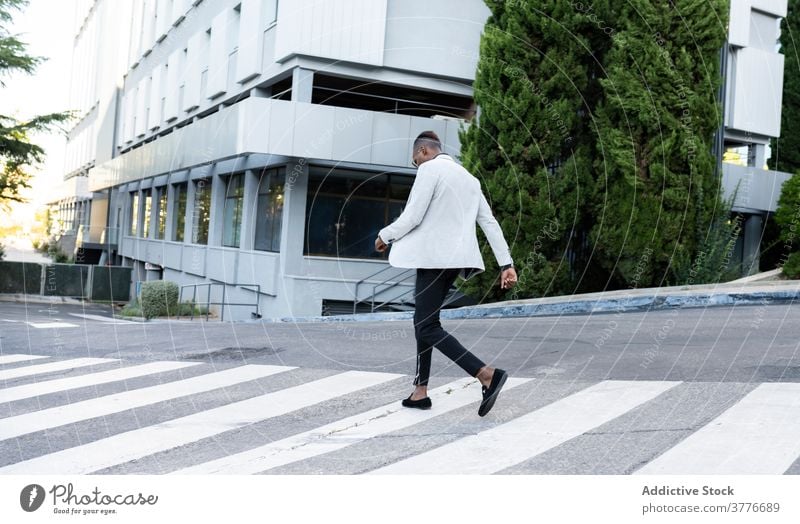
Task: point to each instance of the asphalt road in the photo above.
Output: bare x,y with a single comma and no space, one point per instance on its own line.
743,343
636,392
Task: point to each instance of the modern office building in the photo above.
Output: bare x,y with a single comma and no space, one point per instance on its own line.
99,61
259,145
753,87
255,147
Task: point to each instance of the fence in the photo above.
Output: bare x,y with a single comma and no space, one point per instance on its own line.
66,280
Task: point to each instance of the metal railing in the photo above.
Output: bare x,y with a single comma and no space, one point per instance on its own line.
223,303
371,298
399,279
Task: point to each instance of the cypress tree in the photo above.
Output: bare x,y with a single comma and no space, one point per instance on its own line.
786,149
784,234
659,199
532,145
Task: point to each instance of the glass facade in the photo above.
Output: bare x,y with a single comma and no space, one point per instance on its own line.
202,211
134,213
179,210
345,210
269,209
147,195
232,214
162,212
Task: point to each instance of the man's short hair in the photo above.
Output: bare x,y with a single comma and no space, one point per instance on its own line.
428,139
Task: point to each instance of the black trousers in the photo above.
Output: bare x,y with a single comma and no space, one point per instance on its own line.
430,291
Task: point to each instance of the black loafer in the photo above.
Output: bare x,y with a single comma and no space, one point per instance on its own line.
490,393
423,403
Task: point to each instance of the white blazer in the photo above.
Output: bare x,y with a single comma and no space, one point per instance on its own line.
437,226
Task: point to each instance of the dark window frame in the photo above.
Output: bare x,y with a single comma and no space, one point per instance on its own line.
313,192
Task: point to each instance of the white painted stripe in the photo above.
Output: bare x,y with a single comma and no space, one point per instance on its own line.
10,359
529,435
346,432
97,407
101,318
139,443
760,435
61,365
51,325
91,379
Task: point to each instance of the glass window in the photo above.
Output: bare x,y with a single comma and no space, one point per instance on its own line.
346,209
162,212
146,212
232,214
179,217
134,213
269,209
202,211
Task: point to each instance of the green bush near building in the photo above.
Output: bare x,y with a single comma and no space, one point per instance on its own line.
131,310
186,309
791,268
159,298
787,215
55,253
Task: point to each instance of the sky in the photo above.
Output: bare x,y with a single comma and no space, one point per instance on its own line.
46,26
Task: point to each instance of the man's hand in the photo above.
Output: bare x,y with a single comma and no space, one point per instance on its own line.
508,278
380,245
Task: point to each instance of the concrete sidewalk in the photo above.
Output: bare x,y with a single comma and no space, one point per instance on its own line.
754,290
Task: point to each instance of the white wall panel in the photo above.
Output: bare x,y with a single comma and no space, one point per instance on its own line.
248,61
172,84
774,7
191,93
154,118
447,31
149,26
218,55
163,18
129,99
757,91
179,9
350,30
136,33
141,107
739,23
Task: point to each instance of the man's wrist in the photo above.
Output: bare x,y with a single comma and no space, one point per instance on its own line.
507,266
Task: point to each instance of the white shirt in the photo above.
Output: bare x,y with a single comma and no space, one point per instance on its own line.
437,226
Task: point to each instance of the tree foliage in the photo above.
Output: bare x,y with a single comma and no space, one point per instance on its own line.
786,149
16,151
656,123
593,141
787,214
531,145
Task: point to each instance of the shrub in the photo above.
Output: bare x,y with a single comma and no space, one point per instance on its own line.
2,252
159,298
55,253
787,215
791,268
131,311
185,309
41,246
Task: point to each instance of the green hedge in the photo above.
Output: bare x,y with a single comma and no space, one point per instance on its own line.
159,298
791,268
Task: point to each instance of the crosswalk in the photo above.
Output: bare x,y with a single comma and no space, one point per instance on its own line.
100,415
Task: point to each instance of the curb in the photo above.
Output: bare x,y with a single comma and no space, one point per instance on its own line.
39,299
623,304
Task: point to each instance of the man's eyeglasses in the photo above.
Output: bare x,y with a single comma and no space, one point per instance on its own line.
413,161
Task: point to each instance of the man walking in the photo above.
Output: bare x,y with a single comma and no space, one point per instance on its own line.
436,234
